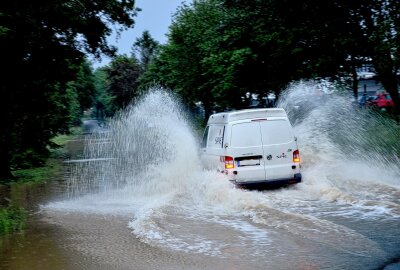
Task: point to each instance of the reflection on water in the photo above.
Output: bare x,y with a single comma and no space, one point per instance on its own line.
33,249
140,199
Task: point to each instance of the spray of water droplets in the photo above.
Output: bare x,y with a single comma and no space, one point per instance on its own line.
147,165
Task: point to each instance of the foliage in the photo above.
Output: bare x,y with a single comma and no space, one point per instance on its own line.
61,139
42,47
123,81
119,83
116,85
180,65
80,92
50,167
147,49
12,219
220,50
38,174
102,99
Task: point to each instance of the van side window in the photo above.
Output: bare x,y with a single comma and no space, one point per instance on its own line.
205,135
216,136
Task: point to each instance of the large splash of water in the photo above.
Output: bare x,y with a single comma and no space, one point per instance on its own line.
148,148
349,153
147,165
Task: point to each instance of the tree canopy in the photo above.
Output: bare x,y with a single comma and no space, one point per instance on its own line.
219,50
146,47
123,81
42,47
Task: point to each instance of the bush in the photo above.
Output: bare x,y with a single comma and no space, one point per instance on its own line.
12,219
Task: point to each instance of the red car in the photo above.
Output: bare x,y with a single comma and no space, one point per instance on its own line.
381,101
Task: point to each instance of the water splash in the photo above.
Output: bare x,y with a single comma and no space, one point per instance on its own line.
149,146
147,166
350,154
327,119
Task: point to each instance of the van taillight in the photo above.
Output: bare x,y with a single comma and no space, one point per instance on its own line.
229,163
296,156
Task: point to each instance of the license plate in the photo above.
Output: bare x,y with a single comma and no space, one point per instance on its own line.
249,162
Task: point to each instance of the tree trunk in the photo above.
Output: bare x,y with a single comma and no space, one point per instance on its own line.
7,120
5,170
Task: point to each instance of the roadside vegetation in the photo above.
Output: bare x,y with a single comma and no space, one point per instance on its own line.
13,216
12,219
47,82
51,166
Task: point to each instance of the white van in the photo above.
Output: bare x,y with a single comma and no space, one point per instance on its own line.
252,147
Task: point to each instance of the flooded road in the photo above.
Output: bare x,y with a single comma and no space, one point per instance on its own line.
138,198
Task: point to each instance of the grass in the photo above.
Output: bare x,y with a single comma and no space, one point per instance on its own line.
12,219
52,166
38,174
61,140
58,151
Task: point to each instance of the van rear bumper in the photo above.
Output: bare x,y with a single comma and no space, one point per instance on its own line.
270,183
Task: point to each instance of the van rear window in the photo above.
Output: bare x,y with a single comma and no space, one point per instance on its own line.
276,132
246,135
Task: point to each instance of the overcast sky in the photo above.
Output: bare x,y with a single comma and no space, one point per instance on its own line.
156,16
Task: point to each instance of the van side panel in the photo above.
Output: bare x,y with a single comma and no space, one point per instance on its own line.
212,147
215,136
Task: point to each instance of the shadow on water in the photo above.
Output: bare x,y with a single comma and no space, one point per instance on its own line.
265,186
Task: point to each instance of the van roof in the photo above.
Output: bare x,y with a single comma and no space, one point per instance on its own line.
226,117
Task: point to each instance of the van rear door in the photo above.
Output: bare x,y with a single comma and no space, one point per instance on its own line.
278,145
246,148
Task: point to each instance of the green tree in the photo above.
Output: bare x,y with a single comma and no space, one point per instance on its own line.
102,99
123,81
218,50
292,40
146,47
308,39
181,64
81,92
42,46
